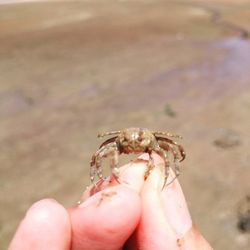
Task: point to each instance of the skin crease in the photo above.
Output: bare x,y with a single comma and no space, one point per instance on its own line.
136,214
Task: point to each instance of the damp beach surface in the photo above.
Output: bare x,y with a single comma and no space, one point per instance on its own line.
72,69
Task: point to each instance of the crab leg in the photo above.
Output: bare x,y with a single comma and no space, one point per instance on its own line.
150,165
114,164
105,151
112,139
108,133
175,166
180,148
163,154
167,134
168,147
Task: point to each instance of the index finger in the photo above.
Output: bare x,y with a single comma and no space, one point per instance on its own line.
106,219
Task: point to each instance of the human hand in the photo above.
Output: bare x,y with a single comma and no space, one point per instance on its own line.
134,215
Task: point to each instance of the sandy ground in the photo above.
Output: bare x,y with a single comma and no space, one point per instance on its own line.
72,69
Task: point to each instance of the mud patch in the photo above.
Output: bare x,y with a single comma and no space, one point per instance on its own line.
227,139
244,215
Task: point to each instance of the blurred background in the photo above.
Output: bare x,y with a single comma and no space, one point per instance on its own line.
69,69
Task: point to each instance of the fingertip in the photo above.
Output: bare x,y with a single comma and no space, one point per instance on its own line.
156,158
132,174
106,219
46,225
45,209
193,240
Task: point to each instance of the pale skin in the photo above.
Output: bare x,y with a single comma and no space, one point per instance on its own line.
131,215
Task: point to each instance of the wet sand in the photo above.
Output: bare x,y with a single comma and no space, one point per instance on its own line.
70,70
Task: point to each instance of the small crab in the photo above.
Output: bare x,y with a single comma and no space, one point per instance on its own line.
137,140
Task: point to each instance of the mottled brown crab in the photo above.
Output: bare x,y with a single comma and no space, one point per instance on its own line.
137,140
